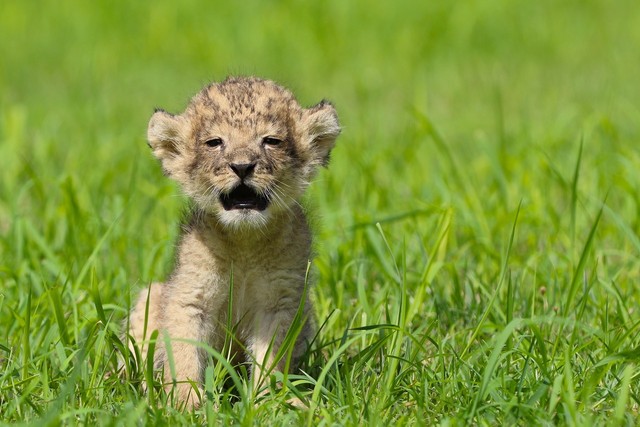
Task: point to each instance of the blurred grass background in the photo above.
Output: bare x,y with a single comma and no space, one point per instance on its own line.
454,114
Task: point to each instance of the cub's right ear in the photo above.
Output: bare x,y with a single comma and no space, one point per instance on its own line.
166,134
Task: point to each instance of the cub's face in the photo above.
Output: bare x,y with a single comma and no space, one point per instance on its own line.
244,149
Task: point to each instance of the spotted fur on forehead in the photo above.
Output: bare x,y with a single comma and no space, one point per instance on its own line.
241,102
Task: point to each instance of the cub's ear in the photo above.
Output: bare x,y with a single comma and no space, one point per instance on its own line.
166,134
321,129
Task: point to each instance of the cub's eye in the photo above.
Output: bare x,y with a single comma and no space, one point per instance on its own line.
270,140
214,142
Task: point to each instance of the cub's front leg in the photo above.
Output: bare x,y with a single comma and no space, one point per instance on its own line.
186,320
268,335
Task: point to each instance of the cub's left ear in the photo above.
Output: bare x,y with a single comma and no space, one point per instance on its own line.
321,129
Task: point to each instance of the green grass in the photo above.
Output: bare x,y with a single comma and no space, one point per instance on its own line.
478,249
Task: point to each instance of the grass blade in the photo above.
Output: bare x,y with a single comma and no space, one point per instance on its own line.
503,274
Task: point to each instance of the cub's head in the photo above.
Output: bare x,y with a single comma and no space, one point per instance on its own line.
244,149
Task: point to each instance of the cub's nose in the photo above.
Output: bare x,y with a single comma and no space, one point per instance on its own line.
243,170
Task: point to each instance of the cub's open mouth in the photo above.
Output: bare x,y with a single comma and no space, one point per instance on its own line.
243,197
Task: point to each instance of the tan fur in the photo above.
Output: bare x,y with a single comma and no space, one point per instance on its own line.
266,252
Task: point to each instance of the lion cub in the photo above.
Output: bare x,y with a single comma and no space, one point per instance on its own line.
244,151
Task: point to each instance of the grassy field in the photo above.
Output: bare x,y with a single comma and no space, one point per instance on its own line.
477,237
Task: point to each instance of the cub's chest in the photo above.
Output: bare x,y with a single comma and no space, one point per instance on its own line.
252,290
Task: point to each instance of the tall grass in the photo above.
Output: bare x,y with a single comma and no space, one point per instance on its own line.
477,231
